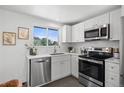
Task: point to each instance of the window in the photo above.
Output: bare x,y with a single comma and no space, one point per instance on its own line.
45,36
39,35
52,37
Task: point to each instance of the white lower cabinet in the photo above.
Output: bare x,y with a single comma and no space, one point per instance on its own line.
74,65
112,72
60,67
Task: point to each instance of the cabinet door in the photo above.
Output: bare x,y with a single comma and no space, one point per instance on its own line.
63,34
55,70
66,33
74,65
115,24
90,23
122,10
60,67
103,19
78,32
74,34
65,68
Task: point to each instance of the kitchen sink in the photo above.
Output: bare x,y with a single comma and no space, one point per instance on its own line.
57,54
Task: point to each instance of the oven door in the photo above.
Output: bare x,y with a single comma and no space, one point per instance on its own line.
92,34
92,70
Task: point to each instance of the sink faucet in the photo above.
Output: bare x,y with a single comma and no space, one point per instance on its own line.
55,50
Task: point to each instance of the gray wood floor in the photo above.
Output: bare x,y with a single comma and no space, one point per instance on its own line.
65,82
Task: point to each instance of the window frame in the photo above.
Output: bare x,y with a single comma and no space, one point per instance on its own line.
57,29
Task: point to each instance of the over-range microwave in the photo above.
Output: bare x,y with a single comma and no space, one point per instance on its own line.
101,32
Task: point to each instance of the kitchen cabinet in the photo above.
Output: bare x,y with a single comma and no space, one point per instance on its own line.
74,65
103,19
115,24
122,10
97,21
112,72
60,67
89,23
66,33
78,32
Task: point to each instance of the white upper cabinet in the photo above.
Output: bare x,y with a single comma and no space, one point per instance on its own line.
75,33
115,24
96,21
90,24
122,10
103,19
78,32
66,33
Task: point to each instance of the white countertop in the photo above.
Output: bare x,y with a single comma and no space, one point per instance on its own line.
73,53
37,56
48,55
113,60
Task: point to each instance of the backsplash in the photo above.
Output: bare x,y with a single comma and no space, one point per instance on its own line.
113,44
49,50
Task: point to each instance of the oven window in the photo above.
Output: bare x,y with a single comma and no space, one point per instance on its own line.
93,70
103,31
92,33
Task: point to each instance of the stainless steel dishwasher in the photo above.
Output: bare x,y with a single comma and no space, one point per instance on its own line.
40,71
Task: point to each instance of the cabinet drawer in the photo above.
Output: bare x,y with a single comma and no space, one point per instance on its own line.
112,67
112,78
113,60
61,58
108,84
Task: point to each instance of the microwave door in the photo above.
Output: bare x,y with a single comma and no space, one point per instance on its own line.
92,34
104,32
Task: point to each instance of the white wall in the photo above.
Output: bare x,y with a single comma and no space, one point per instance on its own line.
12,58
114,44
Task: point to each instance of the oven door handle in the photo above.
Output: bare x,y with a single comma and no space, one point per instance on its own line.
92,61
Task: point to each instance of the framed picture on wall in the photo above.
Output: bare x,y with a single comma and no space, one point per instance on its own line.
9,38
23,33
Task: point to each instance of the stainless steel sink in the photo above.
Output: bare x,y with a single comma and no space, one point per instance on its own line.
57,54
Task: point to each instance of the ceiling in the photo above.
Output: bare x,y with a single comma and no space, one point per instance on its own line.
65,14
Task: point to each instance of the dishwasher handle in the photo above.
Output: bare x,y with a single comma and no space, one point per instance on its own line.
41,61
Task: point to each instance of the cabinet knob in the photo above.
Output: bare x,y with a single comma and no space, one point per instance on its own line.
121,75
112,78
112,67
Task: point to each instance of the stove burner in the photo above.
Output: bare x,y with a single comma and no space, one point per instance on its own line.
97,55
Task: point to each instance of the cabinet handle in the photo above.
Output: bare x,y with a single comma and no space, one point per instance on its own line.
62,63
112,67
112,78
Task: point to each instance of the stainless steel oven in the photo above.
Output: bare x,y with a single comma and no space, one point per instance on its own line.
92,66
91,72
101,32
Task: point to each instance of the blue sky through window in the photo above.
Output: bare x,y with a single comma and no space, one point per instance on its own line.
53,34
39,32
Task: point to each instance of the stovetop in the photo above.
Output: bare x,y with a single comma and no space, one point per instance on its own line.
97,56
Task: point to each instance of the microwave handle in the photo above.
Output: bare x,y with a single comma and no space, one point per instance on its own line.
100,31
